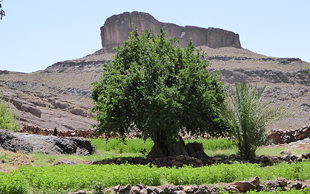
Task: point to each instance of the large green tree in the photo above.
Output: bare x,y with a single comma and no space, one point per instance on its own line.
159,88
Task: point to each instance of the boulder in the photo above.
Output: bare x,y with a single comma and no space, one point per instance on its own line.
255,181
282,182
244,186
31,143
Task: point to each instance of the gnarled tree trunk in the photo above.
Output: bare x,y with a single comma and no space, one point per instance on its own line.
162,148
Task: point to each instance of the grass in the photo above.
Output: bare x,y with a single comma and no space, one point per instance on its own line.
65,178
34,173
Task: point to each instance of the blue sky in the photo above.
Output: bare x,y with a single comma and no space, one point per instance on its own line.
35,34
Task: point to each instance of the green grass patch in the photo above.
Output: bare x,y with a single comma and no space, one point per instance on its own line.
65,178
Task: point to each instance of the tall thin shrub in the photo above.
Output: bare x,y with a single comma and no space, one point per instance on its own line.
247,115
8,120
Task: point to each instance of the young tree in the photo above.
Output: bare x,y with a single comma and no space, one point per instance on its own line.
159,88
247,115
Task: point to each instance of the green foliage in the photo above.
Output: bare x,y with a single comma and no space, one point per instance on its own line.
2,13
119,146
7,119
248,117
13,183
158,87
213,143
65,178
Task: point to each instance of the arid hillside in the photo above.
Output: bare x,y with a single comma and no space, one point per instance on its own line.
59,96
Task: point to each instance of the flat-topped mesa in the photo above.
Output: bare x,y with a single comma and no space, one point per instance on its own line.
116,28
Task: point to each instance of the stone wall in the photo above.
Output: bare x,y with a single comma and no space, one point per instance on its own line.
116,28
279,136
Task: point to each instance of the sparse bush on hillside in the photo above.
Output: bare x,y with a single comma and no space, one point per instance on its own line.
7,119
248,115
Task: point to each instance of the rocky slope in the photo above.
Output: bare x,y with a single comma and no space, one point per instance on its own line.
59,96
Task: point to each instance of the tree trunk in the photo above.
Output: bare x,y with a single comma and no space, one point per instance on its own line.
162,148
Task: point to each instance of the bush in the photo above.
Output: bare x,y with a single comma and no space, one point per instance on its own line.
247,115
7,119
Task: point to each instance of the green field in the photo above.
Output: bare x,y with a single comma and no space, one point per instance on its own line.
44,178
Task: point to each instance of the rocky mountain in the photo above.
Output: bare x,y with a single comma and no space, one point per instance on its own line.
115,31
59,96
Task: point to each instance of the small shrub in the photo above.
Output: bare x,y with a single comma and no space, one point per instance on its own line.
7,119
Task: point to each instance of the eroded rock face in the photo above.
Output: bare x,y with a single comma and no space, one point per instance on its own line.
116,28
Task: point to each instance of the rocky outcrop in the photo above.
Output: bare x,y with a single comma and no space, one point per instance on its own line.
116,28
31,143
272,76
81,66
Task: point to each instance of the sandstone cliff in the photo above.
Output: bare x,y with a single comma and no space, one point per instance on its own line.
116,28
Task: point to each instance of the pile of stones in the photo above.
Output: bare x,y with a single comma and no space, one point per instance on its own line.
237,187
180,161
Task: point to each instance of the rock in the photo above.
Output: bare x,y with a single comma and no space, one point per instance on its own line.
80,192
264,158
306,155
255,181
136,190
144,191
127,187
282,181
202,190
179,192
68,162
231,189
116,188
177,164
149,189
59,104
179,158
158,190
286,157
297,185
84,146
272,184
30,143
141,186
116,28
121,189
293,157
167,189
244,186
78,111
189,189
261,188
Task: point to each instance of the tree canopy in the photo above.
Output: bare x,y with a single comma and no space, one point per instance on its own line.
159,88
